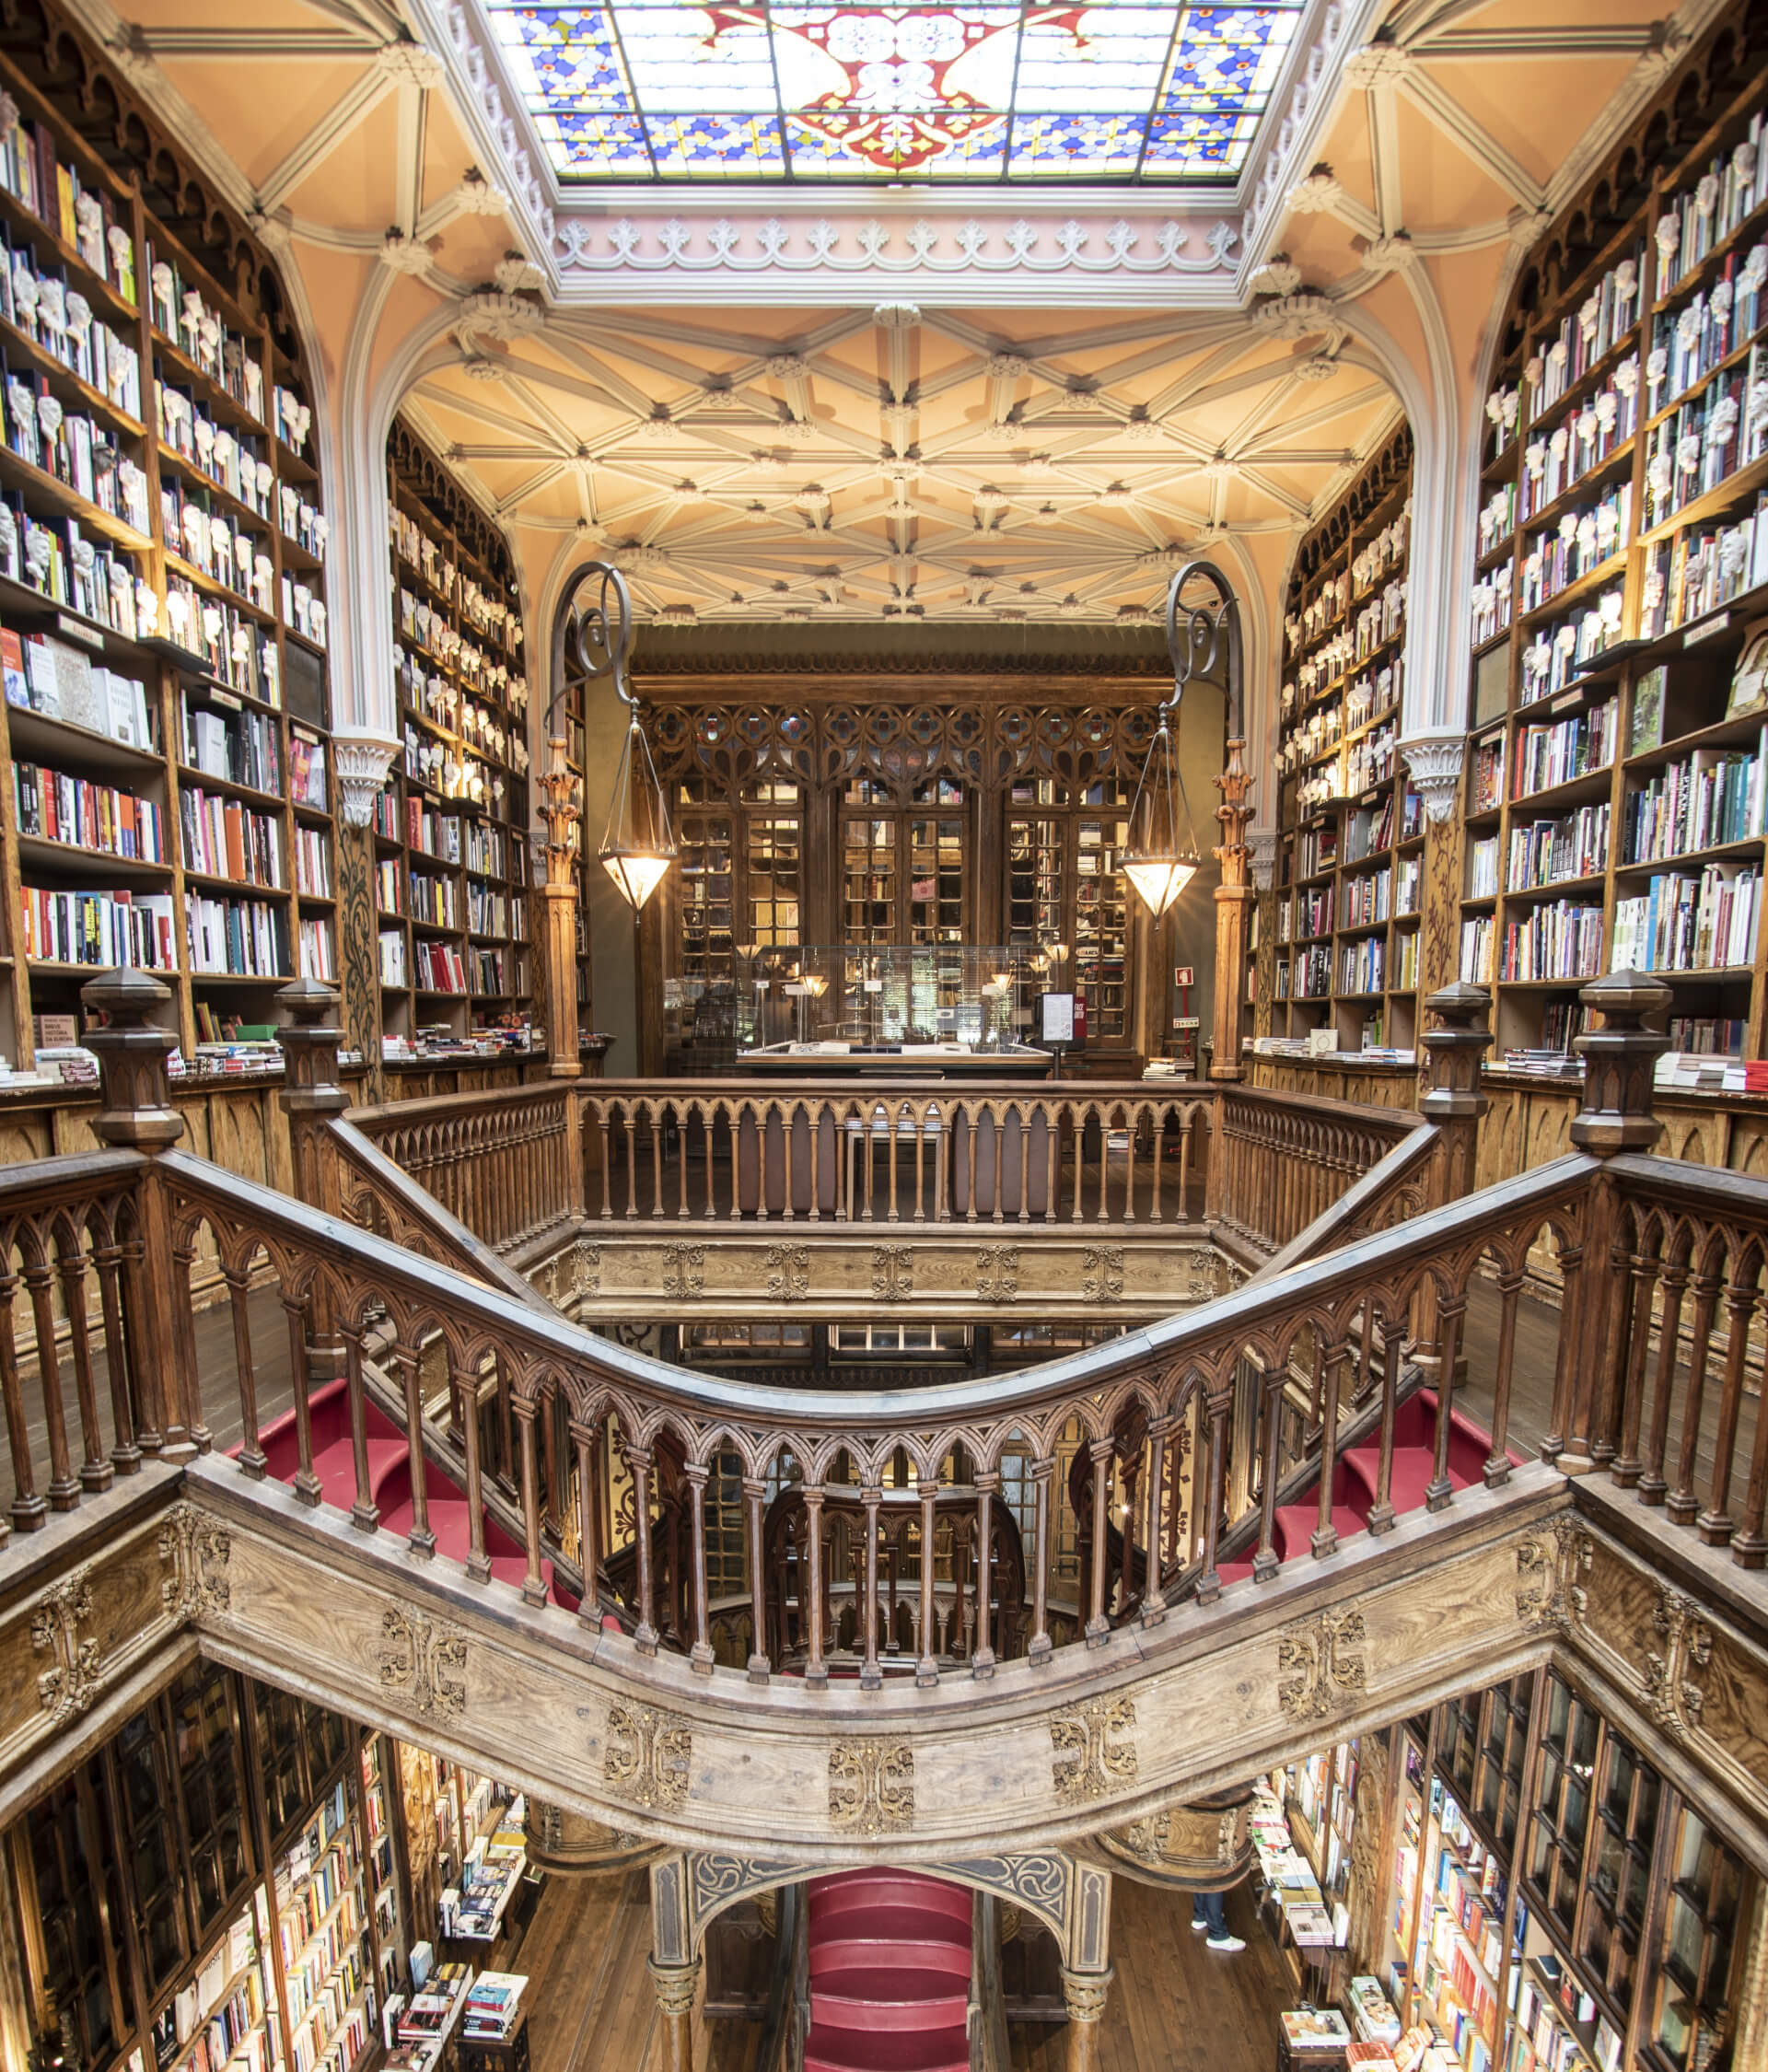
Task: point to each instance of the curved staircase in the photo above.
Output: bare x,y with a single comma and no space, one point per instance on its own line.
889,1974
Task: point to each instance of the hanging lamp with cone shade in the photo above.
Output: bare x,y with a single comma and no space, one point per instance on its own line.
1161,857
637,846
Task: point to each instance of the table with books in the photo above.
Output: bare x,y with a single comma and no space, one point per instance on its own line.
428,2025
490,1880
1312,2040
494,2034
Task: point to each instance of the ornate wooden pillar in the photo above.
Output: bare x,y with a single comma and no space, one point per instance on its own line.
1234,898
1087,1965
312,1091
561,812
674,1963
1454,1050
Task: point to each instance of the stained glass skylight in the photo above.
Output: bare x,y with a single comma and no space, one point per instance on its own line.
853,90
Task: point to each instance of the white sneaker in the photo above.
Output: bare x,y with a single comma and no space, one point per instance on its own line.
1227,1943
1197,1927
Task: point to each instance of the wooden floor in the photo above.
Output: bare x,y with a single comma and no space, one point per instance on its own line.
1176,2004
591,2006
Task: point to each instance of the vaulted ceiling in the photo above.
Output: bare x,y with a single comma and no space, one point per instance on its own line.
931,459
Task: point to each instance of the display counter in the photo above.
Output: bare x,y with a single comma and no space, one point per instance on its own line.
896,1061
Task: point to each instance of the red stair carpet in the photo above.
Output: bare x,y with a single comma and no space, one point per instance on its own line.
889,1974
389,1481
1414,1463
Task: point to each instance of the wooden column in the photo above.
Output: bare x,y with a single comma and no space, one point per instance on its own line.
674,1964
1233,902
1084,1995
558,900
1455,1050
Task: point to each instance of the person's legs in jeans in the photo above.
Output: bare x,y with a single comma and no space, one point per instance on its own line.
1209,1910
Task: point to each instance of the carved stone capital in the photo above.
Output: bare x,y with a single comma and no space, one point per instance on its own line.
476,195
272,232
1261,857
1393,254
1317,195
499,314
1299,316
1436,766
1278,275
403,254
362,760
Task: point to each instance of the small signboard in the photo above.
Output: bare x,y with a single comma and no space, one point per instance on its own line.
1056,1017
1183,976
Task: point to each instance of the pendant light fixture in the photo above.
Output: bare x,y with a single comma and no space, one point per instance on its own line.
1161,857
637,846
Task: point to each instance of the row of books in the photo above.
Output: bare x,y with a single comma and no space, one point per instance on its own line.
1557,460
312,863
225,550
439,967
68,445
1544,852
97,928
88,219
1712,797
1592,330
1705,439
248,938
225,839
232,460
1581,541
1497,518
53,806
37,299
60,681
1560,652
1367,898
1689,342
241,748
54,558
1556,752
487,911
432,899
1491,602
1558,939
1362,966
182,316
1710,208
1701,569
227,645
1688,923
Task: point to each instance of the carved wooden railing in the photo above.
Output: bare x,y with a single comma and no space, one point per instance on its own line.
1282,1164
1643,1246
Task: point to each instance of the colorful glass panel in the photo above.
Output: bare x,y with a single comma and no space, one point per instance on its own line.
856,90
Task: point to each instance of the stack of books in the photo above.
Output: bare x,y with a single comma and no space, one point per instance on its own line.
492,2005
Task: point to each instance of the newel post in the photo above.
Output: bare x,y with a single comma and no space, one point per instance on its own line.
311,1092
1455,1050
135,1112
1620,1061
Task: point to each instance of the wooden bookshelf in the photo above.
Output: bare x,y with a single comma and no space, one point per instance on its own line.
1614,807
1348,880
452,873
162,564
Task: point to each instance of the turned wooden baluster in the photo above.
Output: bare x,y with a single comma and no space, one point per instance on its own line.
1154,1594
816,1670
29,1509
639,1460
307,1483
699,1654
1333,1358
1715,1524
1266,1562
1683,1503
464,1384
1651,1486
64,1489
982,1657
1098,1628
252,1452
1041,1646
927,1668
364,1513
586,1438
125,1454
421,1540
1626,1468
1220,1401
754,1491
1498,1463
1439,1492
96,1471
533,1582
871,1677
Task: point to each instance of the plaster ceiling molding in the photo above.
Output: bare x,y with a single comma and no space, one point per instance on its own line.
1393,253
514,272
477,196
1434,762
401,254
1012,251
449,27
1292,140
497,315
1278,275
1301,316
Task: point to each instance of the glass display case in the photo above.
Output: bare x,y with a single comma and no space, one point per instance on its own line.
885,998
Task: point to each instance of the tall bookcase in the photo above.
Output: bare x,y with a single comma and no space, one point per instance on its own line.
1348,883
1616,765
452,867
162,594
